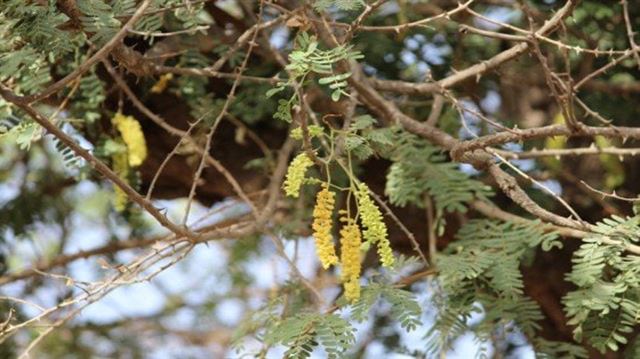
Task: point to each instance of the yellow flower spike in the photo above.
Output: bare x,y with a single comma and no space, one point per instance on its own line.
350,241
162,83
352,290
120,167
375,230
322,223
385,253
295,174
133,137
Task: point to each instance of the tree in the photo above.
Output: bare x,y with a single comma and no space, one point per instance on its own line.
461,167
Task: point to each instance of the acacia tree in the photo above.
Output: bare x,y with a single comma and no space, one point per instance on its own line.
479,152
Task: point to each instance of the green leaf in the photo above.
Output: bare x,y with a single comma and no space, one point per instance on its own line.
335,95
274,91
334,78
358,146
420,168
362,122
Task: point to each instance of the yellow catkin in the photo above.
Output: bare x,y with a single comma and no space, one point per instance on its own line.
133,137
295,174
162,83
120,167
322,221
375,230
352,290
350,241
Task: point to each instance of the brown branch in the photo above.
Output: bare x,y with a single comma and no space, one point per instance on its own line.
208,72
177,133
94,162
419,23
227,229
510,187
630,33
115,41
517,135
480,159
492,211
588,151
477,69
61,260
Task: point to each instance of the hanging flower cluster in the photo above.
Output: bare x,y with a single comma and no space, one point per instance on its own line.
350,241
295,174
162,83
133,156
375,230
133,137
322,224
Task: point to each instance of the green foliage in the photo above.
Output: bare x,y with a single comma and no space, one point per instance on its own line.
251,106
478,274
26,67
297,334
187,17
472,280
22,133
404,307
193,89
420,168
33,27
100,19
286,319
546,349
103,19
283,111
26,132
303,332
605,307
261,318
308,59
365,140
87,101
480,242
